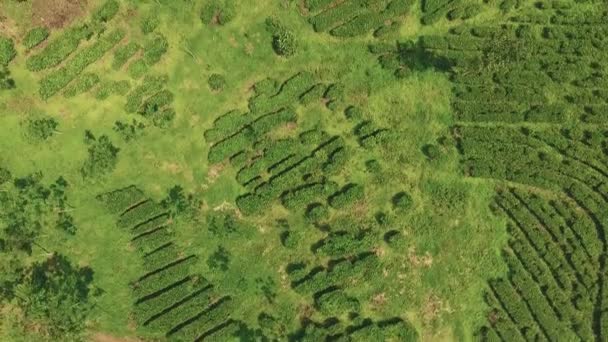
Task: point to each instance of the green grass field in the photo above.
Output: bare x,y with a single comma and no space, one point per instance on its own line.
430,263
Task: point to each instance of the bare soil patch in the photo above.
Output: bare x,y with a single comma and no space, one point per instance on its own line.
57,13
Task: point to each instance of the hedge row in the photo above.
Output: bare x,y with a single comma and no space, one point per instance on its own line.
249,134
346,243
287,178
118,201
140,214
108,88
289,92
81,85
60,48
195,304
149,86
300,197
149,309
215,315
107,11
58,79
157,282
35,37
7,51
348,195
340,273
154,49
148,243
124,53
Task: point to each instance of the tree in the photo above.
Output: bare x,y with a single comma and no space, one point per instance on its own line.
102,158
57,296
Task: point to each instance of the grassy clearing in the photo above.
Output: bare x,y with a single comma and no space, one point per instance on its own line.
435,279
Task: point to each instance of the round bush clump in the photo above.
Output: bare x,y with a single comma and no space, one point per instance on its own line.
216,82
402,200
316,212
431,151
284,43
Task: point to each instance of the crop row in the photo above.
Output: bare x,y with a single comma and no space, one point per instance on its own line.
343,270
60,48
118,201
289,92
140,214
58,79
149,242
82,84
124,53
194,304
298,198
172,298
287,178
155,283
213,316
149,86
248,135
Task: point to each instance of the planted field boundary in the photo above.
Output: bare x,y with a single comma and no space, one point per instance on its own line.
292,168
169,298
530,103
357,17
63,61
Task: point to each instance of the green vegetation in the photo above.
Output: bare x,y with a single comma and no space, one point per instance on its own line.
315,170
35,37
7,51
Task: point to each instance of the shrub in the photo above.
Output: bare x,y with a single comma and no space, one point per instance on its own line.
154,49
130,131
41,129
267,86
149,86
7,51
34,37
6,82
284,43
59,49
373,166
431,151
402,200
149,23
336,303
353,113
58,79
216,82
291,239
5,175
102,156
124,53
106,12
108,88
316,212
137,69
81,85
348,195
218,12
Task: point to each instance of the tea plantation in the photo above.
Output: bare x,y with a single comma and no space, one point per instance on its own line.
303,170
